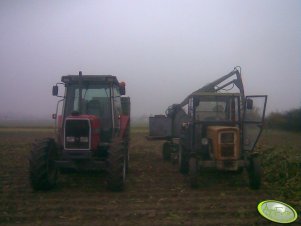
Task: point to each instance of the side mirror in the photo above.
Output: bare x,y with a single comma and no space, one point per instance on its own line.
122,88
249,104
55,90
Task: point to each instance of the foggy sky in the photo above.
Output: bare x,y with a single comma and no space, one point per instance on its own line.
162,49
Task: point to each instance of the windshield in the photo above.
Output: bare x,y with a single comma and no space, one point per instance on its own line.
95,100
217,108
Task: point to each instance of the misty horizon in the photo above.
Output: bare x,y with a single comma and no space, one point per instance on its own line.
162,50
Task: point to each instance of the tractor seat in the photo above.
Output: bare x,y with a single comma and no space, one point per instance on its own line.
93,107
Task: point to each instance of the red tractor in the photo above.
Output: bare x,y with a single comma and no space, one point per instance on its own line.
92,132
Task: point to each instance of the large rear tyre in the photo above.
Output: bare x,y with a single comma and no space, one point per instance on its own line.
127,159
42,169
254,172
183,160
126,143
193,172
166,151
117,161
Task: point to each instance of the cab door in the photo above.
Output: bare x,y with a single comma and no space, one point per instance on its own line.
253,118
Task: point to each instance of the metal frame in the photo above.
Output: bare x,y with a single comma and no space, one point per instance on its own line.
254,122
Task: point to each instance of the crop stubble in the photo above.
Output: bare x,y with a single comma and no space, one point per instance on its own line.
156,193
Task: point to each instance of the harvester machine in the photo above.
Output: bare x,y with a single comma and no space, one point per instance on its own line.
216,126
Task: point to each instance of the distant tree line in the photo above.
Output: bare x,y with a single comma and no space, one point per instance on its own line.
290,120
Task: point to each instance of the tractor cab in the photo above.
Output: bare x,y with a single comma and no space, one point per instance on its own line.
94,95
213,117
224,127
216,108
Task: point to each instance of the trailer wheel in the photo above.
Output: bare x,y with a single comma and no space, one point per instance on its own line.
183,160
193,172
42,169
166,151
116,167
254,171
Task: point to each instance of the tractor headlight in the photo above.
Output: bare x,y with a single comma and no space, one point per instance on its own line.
204,141
70,139
84,139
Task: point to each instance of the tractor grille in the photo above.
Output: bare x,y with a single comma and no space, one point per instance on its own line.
227,137
77,134
227,140
227,150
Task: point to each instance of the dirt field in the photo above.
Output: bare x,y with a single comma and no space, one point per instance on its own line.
156,193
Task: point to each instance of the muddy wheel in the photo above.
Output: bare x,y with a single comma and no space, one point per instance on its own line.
254,172
127,159
116,167
193,172
166,152
42,170
183,160
239,171
126,143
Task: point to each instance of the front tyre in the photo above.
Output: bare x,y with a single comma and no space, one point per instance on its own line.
193,172
42,169
116,167
183,160
254,172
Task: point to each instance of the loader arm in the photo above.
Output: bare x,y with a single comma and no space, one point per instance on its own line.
221,84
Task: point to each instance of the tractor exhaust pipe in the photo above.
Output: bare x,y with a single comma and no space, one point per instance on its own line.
80,82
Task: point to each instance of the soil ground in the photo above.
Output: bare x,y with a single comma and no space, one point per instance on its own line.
156,193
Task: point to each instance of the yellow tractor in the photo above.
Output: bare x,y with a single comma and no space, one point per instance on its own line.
216,126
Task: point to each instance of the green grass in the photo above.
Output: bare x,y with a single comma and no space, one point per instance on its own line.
139,129
281,161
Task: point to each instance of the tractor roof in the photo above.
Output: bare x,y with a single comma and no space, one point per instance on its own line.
212,94
90,78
